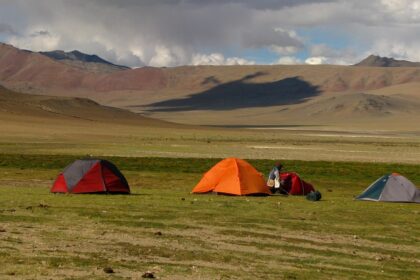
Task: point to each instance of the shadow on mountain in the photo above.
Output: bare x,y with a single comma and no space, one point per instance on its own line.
241,94
211,80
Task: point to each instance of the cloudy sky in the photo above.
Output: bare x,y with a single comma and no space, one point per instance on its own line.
185,32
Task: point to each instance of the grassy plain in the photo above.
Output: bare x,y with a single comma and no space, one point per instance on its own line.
83,138
164,229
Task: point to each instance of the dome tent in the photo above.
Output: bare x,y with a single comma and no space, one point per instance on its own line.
392,188
91,176
232,176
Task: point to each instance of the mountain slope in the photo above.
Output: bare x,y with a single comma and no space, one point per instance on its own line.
338,111
26,106
356,106
32,72
85,61
378,61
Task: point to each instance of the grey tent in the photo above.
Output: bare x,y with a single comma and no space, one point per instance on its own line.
393,188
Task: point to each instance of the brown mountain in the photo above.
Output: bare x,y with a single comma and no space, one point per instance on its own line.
379,61
209,94
33,72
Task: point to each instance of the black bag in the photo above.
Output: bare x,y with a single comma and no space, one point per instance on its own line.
314,196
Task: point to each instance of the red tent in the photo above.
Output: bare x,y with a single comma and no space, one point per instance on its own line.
91,176
294,185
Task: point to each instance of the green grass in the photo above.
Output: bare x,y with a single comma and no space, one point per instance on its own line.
203,236
335,171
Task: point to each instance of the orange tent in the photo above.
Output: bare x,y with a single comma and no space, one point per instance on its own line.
232,176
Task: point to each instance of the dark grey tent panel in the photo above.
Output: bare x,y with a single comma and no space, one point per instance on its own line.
75,171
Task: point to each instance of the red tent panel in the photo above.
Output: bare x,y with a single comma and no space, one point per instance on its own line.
59,184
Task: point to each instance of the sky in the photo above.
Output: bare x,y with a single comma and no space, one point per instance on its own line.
169,33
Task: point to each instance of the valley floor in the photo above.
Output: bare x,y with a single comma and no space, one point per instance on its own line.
85,137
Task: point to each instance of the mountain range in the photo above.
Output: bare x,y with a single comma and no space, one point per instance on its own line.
226,95
85,61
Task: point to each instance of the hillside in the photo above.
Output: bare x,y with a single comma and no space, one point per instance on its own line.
18,106
379,61
354,107
30,72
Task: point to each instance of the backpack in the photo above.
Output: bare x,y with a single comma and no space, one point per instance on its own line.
314,196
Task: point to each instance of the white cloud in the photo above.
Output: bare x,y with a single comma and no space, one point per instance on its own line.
150,33
180,32
288,60
397,49
315,60
402,10
278,40
211,59
239,61
163,57
218,59
333,56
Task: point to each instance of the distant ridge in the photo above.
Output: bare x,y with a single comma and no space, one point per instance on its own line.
86,61
379,61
